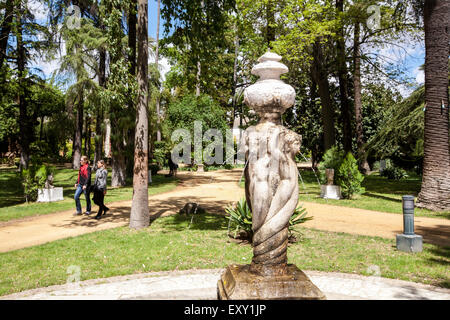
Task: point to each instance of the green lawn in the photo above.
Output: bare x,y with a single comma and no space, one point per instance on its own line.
12,204
174,243
381,194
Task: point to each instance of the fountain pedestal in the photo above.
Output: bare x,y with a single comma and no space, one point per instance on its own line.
239,283
271,191
330,192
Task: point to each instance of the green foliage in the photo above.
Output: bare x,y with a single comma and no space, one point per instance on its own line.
332,159
29,185
203,34
154,168
401,136
299,216
349,178
33,179
161,148
182,113
240,218
394,173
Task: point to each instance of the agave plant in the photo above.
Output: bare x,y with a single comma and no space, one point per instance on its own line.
240,218
299,216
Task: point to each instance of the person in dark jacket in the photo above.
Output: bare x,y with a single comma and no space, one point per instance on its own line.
100,188
83,185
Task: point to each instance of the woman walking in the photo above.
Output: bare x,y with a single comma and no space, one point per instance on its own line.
83,185
100,188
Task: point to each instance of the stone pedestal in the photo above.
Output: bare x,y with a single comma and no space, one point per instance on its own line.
50,195
409,243
238,283
200,168
330,192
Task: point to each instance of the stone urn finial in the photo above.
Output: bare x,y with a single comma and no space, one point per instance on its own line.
269,95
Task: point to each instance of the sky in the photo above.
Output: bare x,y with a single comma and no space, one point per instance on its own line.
410,57
48,67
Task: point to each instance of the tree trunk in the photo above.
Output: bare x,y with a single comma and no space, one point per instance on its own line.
118,164
435,190
199,73
107,144
235,66
25,126
270,28
98,137
41,128
85,136
6,29
320,77
139,217
343,82
362,157
129,139
77,142
99,117
88,137
158,129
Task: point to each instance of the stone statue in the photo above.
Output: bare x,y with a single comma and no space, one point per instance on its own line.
271,191
49,182
330,176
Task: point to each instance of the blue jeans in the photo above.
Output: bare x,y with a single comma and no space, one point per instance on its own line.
86,195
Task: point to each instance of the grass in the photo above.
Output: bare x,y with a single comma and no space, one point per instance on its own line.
381,194
174,243
11,193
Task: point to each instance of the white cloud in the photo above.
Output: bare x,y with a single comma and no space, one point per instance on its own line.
39,10
420,75
164,65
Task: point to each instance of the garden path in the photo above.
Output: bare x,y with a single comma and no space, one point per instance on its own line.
213,191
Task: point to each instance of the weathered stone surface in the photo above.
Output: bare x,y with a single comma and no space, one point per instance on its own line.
239,283
50,195
269,94
271,191
330,192
409,243
330,176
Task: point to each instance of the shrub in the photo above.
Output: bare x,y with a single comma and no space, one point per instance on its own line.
160,152
241,219
332,159
394,173
33,179
349,178
154,168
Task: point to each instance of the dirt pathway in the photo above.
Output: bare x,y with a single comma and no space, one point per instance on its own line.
213,191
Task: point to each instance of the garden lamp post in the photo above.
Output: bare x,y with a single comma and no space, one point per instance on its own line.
409,241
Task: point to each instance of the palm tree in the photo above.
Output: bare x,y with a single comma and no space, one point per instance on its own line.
435,191
139,217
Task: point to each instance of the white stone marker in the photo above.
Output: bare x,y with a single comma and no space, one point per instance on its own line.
50,195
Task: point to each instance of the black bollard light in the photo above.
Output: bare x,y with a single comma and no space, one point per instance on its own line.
409,241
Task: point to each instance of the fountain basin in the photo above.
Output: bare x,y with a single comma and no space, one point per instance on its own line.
239,283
